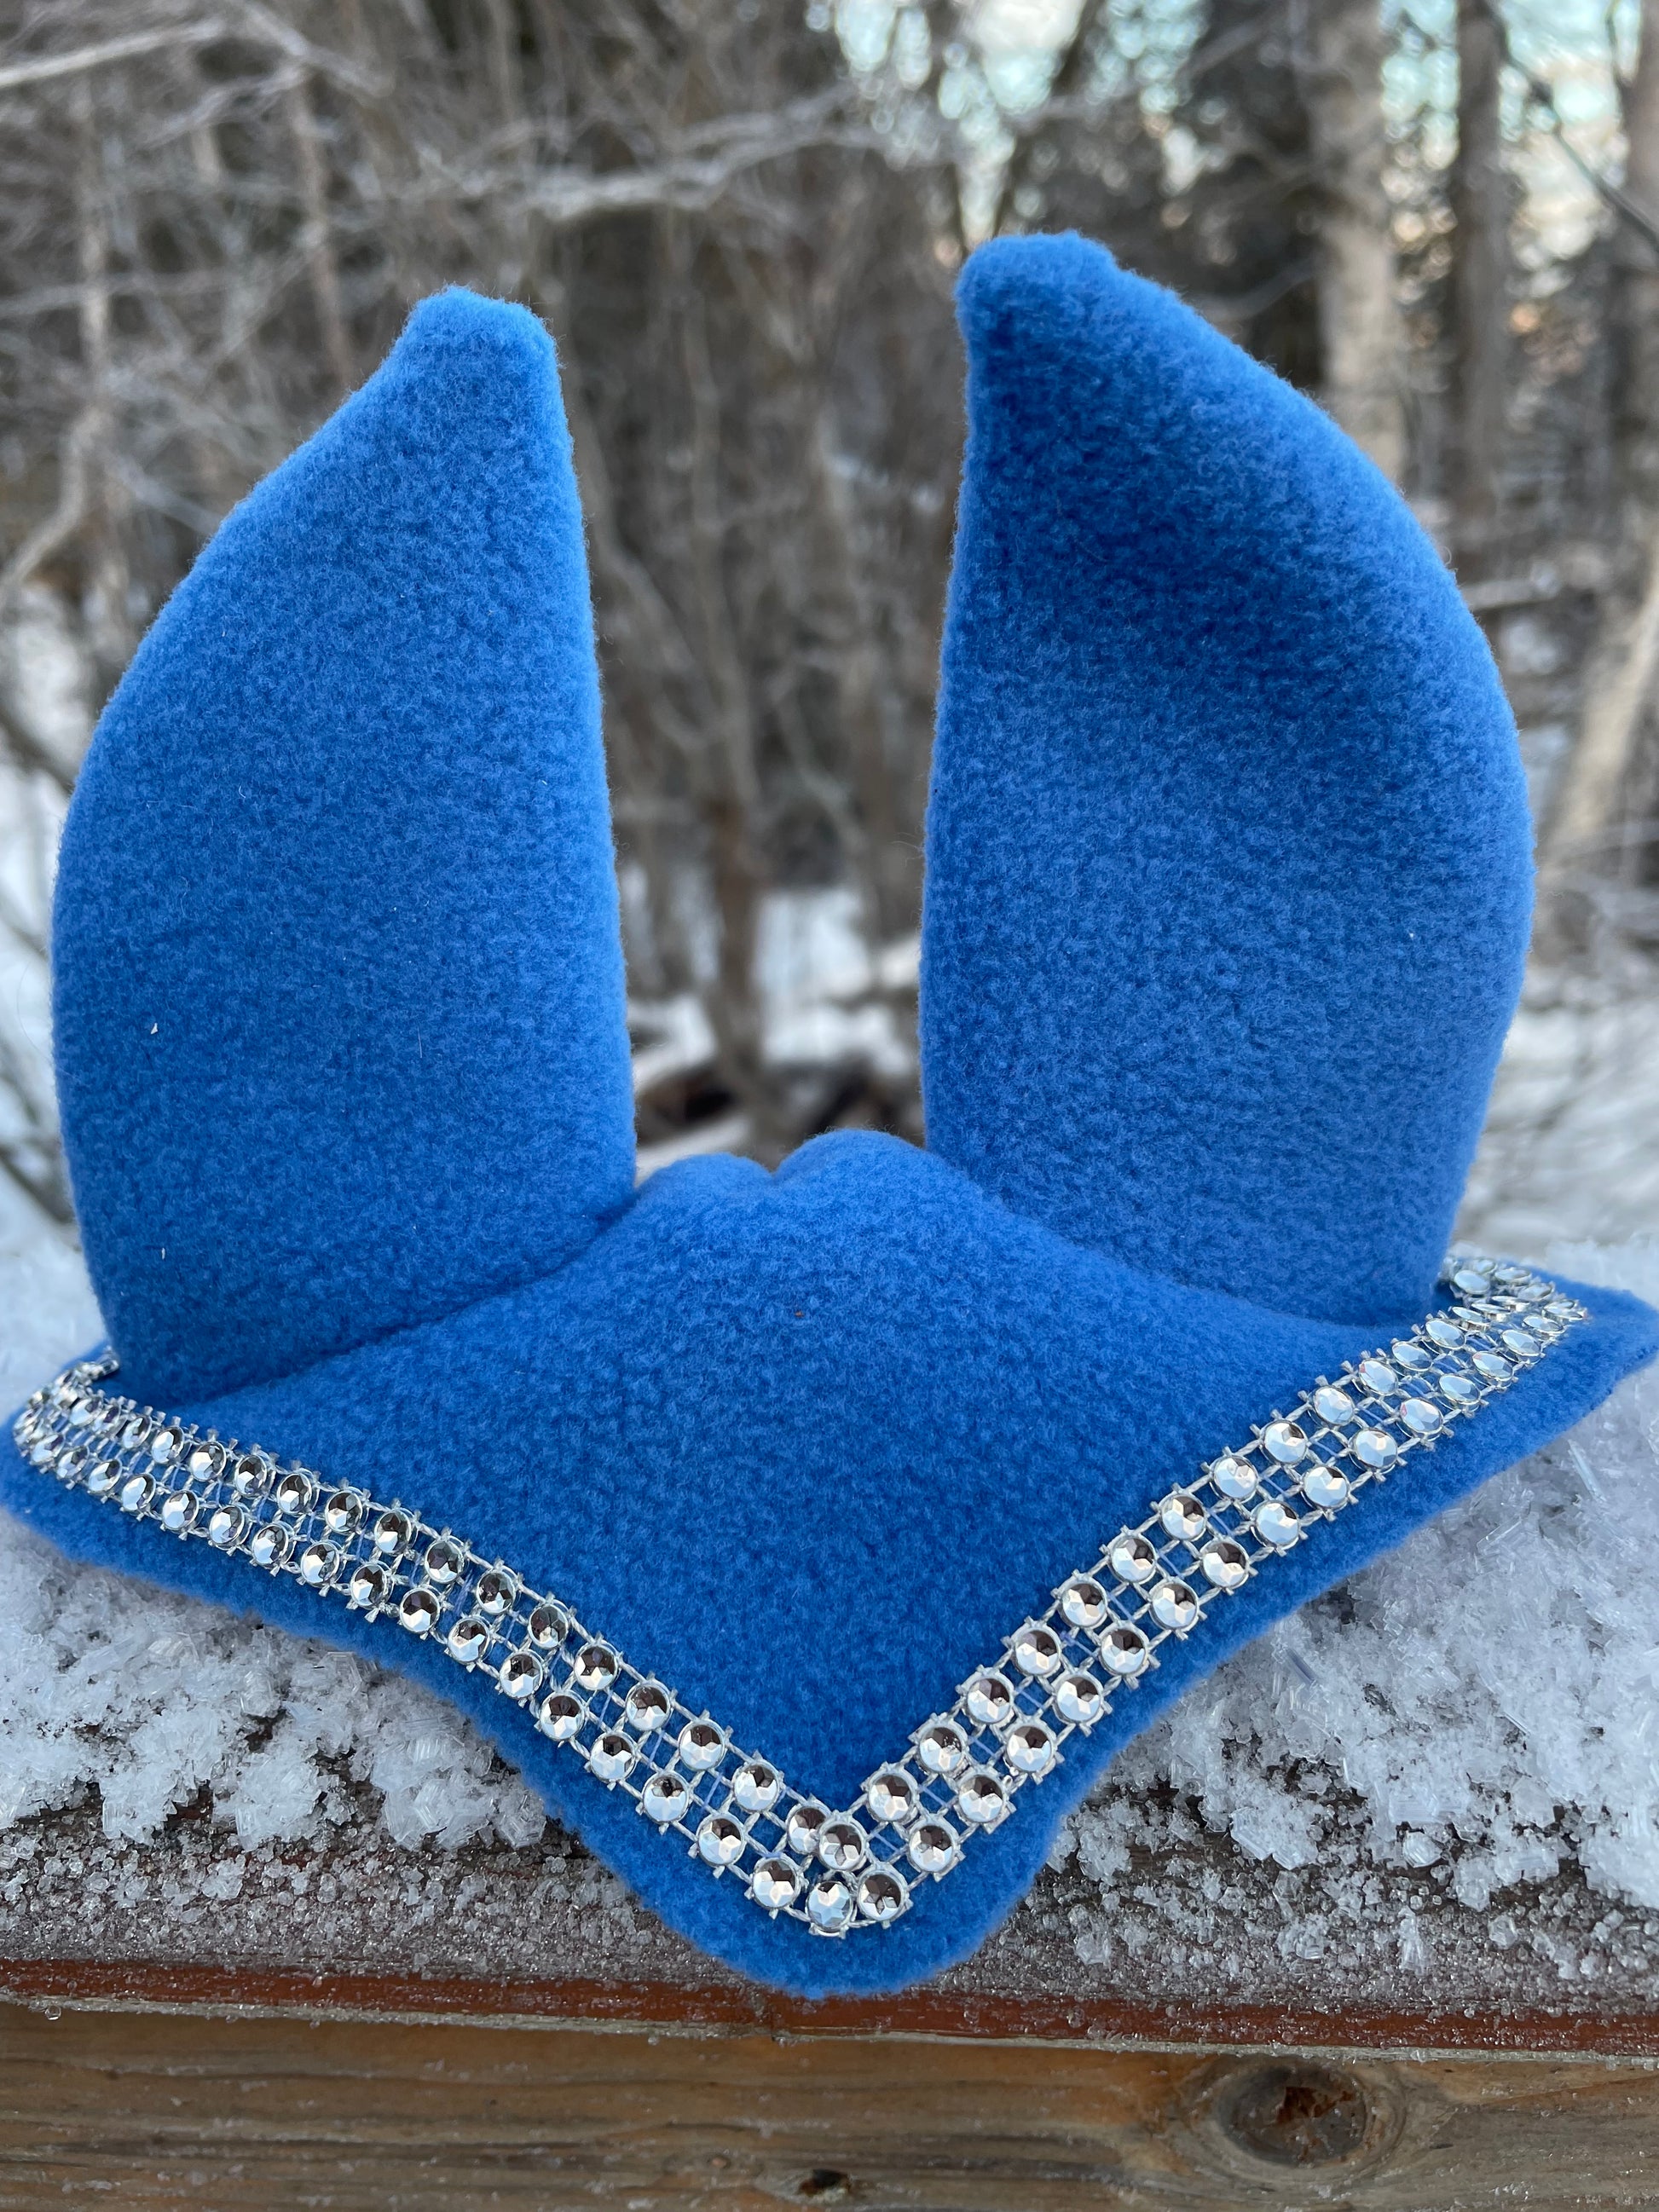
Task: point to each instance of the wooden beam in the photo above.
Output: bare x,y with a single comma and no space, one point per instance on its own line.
126,2110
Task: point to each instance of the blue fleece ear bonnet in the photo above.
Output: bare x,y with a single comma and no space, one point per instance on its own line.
810,1540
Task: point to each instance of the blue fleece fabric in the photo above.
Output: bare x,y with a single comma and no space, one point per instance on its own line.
338,982
807,1445
1229,870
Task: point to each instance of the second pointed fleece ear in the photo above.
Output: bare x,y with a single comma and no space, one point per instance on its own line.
339,1016
1228,852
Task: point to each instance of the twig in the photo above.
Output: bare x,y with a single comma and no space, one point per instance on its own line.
45,67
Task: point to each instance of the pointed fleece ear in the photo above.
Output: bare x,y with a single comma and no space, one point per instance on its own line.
1228,853
339,1015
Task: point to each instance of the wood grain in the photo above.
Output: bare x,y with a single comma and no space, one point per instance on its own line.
139,2110
934,2009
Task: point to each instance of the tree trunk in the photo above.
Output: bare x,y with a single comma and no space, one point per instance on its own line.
1619,685
1480,316
1360,324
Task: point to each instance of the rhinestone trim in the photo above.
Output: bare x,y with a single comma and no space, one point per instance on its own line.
1056,1676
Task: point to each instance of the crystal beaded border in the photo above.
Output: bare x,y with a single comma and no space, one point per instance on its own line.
1055,1676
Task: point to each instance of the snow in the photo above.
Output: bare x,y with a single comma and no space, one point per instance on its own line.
1486,1696
149,1701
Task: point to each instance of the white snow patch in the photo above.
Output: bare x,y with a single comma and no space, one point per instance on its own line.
1489,1693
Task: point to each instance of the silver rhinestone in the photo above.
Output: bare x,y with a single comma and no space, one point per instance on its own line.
178,1511
1079,1699
610,1757
891,1796
990,1700
135,1432
1276,1524
319,1563
829,1904
882,1896
1124,1649
1131,1559
227,1525
295,1492
1563,1310
1446,1334
1471,1280
1374,1448
720,1840
755,1786
417,1610
103,1478
1234,1478
647,1706
775,1884
1083,1601
136,1494
1324,1487
1520,1343
664,1797
843,1845
497,1592
165,1445
468,1640
251,1476
941,1747
1182,1516
1458,1388
367,1586
443,1562
561,1717
1224,1563
1408,1355
1333,1407
596,1668
1422,1418
801,1830
1285,1441
521,1675
1030,1748
548,1627
1037,1650
1173,1606
1378,1378
981,1798
393,1533
205,1461
932,1847
702,1746
342,1512
1492,1365
270,1548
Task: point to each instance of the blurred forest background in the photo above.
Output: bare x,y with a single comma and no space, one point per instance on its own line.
742,220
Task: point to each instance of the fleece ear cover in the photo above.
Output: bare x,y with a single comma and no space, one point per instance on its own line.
345,1079
338,1012
1229,873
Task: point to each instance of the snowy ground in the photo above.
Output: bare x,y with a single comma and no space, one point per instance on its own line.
1481,1706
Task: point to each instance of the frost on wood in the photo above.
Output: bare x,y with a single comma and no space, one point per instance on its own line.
1478,1710
1484,1702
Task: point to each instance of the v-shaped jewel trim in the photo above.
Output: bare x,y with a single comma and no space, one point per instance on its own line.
1055,1676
